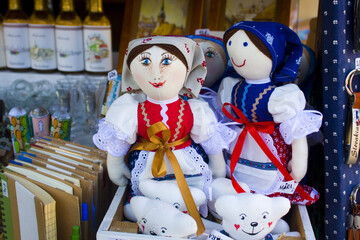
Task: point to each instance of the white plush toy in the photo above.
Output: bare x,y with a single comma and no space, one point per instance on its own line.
248,216
161,219
160,191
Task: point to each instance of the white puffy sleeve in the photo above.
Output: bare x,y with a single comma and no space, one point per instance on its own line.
225,90
286,104
213,136
118,130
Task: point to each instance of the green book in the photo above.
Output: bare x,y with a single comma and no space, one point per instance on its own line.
5,205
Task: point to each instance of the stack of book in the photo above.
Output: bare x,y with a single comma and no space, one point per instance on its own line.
52,187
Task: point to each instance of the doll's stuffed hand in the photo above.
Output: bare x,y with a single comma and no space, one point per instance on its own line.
217,165
119,173
297,166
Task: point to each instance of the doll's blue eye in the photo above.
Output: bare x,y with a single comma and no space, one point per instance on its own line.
245,44
166,61
229,43
210,54
145,61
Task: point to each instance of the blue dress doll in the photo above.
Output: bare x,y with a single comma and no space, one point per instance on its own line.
270,153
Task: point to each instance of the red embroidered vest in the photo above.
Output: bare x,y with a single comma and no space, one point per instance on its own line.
177,116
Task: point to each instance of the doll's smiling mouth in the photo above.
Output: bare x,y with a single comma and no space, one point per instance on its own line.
252,232
232,60
158,85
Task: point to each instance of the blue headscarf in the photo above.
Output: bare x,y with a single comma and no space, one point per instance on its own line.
283,43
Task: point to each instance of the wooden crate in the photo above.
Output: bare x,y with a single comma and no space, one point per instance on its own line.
114,227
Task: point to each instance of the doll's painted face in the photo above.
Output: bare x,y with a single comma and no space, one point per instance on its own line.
247,59
160,74
215,58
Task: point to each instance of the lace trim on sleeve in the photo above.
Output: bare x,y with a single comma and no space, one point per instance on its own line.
299,126
109,139
221,139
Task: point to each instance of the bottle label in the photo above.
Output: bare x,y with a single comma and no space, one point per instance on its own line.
98,48
2,48
69,48
42,46
17,48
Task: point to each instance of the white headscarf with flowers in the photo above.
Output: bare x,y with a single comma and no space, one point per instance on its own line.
194,57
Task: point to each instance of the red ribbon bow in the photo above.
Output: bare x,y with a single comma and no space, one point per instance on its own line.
253,128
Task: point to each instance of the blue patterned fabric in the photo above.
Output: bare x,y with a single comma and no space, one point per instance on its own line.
283,43
253,164
338,59
252,101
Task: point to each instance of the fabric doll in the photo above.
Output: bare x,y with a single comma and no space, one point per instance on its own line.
162,125
271,150
217,68
215,57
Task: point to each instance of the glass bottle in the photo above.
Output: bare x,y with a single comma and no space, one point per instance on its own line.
2,45
69,39
16,36
42,37
97,39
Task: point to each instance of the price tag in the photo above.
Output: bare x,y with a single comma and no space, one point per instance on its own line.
357,63
113,74
287,187
4,188
202,31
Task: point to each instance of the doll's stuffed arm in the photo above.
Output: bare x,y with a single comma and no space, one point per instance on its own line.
118,171
286,104
297,166
115,135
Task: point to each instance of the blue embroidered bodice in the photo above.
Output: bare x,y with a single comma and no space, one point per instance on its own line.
252,100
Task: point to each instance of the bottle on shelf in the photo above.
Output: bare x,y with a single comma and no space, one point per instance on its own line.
69,39
42,37
97,39
2,45
16,36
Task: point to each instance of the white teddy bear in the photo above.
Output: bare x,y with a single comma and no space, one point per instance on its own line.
158,218
248,216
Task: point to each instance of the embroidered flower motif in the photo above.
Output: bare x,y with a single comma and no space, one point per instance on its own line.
298,61
126,51
204,63
200,80
269,38
190,90
129,88
187,49
146,40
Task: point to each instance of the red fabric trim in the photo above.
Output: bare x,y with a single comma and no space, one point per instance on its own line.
253,128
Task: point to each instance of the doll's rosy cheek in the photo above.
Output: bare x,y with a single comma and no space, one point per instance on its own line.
237,226
270,223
